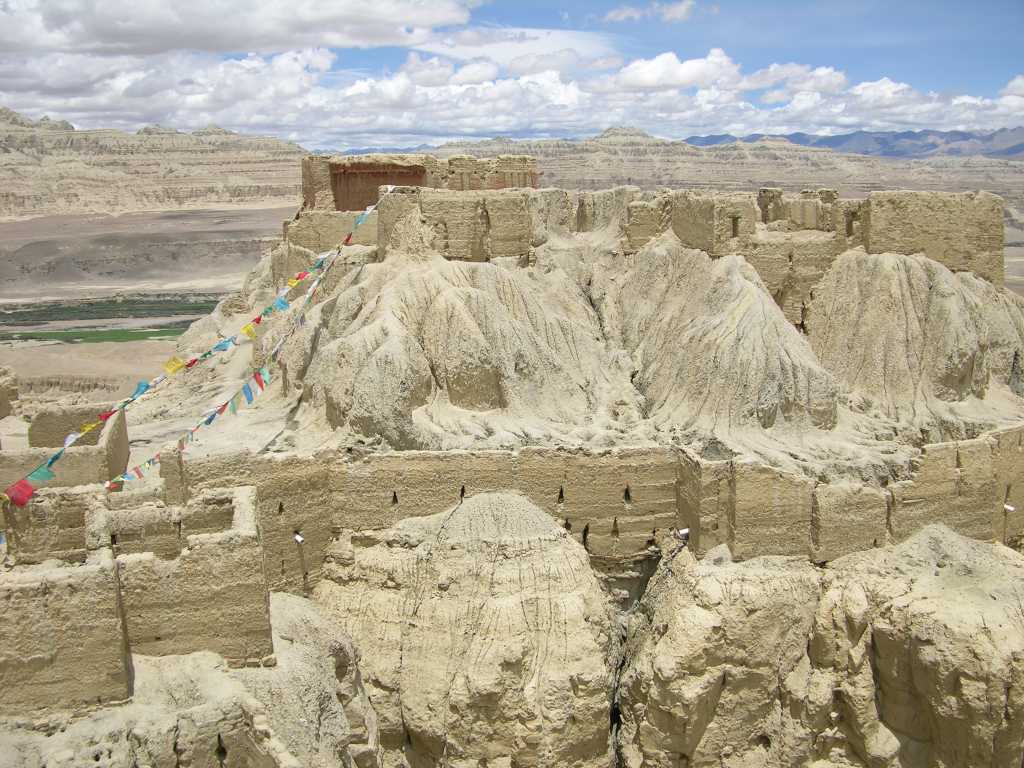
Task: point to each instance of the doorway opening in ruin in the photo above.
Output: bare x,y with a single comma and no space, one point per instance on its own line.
735,225
850,219
627,497
355,185
561,494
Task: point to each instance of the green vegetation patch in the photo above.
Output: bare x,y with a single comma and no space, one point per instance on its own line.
94,335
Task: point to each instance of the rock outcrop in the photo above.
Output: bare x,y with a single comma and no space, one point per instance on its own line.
910,656
48,167
911,340
484,634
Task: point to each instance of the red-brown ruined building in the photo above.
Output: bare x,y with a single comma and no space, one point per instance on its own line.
351,182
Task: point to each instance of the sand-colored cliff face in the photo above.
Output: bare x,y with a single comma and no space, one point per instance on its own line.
624,156
907,657
47,167
485,637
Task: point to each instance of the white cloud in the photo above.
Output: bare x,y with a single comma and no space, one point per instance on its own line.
151,27
667,71
668,12
476,72
429,72
503,45
559,61
1015,87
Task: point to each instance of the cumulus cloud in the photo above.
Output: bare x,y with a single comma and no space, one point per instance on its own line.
667,71
668,12
454,82
133,27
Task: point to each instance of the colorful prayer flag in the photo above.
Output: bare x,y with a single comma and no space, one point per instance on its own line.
192,362
292,282
53,459
249,330
281,304
40,475
348,239
247,391
233,404
360,219
20,493
106,415
174,365
71,439
87,428
223,345
266,374
140,389
258,378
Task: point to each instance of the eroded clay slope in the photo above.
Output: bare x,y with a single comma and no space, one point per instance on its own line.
910,656
914,342
484,635
711,346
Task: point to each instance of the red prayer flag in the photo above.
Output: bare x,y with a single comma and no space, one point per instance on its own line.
192,362
20,493
220,411
259,380
302,275
107,415
348,239
257,320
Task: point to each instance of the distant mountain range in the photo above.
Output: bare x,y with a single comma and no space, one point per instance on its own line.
1007,142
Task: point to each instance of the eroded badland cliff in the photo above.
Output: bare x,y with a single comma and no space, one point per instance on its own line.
543,477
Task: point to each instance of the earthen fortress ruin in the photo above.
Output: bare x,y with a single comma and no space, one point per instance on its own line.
754,459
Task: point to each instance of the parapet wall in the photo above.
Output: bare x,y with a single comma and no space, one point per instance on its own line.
964,231
185,579
62,638
81,464
351,182
615,503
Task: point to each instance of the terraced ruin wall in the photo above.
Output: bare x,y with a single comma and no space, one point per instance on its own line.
71,624
618,503
791,240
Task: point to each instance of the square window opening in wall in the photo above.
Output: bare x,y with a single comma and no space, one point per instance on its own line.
735,220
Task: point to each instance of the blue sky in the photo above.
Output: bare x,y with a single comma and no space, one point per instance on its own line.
341,73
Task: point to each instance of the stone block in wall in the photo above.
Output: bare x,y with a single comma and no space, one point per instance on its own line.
460,223
791,264
772,512
321,231
705,500
51,526
620,498
847,517
62,645
1008,465
962,230
769,200
212,597
645,220
953,483
713,222
509,229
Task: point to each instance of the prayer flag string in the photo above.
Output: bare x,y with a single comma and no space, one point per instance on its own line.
20,492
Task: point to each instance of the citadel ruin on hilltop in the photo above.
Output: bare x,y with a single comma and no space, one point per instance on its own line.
189,564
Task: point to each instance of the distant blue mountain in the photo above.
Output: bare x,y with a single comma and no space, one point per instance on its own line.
1006,142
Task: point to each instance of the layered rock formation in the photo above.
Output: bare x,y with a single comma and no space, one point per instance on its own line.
48,167
630,156
908,657
485,636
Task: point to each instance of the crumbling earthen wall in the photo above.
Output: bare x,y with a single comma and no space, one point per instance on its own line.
213,596
351,182
962,230
616,502
62,638
81,464
321,231
184,580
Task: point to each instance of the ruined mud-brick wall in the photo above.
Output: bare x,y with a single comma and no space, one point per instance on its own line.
62,638
158,580
352,182
82,463
615,503
791,240
964,231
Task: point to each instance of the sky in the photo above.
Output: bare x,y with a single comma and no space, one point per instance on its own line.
338,74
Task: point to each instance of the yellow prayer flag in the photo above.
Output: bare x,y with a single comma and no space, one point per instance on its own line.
249,330
174,365
86,428
292,282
